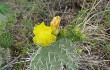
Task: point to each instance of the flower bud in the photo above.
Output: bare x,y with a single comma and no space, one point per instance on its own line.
55,24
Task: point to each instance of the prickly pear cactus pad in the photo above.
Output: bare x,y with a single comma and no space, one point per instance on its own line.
6,40
60,56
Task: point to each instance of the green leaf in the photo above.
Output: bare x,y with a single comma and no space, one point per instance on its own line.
4,8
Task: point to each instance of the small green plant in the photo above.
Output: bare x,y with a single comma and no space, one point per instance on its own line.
6,40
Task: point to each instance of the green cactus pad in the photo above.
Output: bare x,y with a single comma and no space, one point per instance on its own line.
56,57
6,40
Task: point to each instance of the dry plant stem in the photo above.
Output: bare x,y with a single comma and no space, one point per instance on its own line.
87,19
10,63
88,14
5,56
95,62
83,3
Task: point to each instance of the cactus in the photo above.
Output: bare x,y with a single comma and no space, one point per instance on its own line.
6,40
72,33
60,56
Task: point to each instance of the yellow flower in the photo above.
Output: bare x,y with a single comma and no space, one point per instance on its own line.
43,35
55,24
